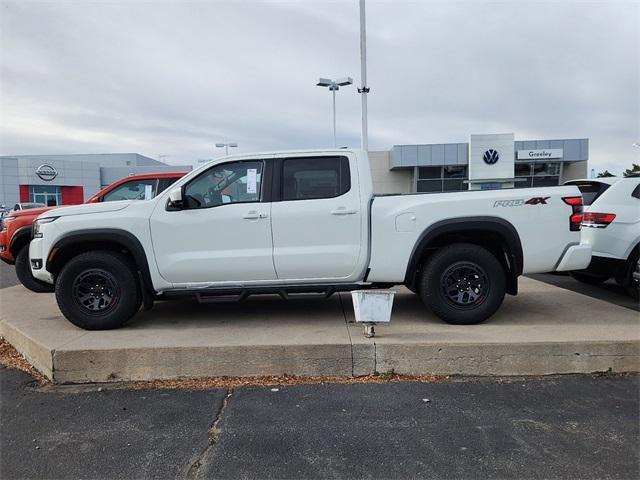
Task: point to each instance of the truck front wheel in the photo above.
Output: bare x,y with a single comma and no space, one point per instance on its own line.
463,284
98,290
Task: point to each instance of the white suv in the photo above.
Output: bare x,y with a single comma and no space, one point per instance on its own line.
611,225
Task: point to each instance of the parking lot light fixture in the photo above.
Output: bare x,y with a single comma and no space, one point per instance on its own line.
226,146
334,86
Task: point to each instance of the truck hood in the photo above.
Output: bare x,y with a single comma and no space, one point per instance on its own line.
86,208
31,212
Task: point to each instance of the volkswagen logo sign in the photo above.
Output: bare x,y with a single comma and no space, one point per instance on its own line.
46,172
490,157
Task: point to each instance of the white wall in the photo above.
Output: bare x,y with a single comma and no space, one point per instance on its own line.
385,180
573,171
503,168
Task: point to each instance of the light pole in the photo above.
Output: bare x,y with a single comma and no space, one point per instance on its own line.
363,90
226,147
334,85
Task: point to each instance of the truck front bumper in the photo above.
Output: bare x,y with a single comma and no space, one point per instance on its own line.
37,261
576,257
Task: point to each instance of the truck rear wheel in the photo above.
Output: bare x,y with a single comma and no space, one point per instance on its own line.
98,290
23,272
463,284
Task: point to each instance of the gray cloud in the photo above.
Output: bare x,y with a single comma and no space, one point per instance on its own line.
173,78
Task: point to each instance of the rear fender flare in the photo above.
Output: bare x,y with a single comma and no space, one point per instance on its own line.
496,225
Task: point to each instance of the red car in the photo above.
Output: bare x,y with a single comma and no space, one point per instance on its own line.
15,233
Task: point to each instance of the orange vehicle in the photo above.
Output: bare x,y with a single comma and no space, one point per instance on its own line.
15,232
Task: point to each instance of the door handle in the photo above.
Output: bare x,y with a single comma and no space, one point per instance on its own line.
343,211
254,215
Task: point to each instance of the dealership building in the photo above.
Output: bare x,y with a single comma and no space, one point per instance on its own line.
69,179
485,162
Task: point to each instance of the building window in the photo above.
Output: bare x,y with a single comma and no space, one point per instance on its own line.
545,181
429,172
49,195
523,169
546,169
537,174
449,178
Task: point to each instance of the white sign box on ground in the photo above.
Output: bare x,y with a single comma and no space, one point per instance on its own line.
542,154
372,306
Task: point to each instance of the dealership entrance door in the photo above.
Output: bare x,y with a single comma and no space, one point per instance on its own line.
50,195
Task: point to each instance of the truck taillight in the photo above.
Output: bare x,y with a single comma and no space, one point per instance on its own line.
597,220
575,220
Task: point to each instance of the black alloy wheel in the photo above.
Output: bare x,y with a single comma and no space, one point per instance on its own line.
465,284
96,291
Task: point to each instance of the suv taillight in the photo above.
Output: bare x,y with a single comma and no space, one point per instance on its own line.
575,220
597,220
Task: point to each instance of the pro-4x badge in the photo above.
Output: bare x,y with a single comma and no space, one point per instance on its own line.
537,200
521,201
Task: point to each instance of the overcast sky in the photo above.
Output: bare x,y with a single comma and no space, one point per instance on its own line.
172,78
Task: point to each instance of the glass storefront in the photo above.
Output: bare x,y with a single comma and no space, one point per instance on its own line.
449,178
50,195
537,174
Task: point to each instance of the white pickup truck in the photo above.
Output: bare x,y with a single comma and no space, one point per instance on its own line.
302,222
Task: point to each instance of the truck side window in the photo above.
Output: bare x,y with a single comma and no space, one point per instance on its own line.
315,177
236,182
133,190
164,183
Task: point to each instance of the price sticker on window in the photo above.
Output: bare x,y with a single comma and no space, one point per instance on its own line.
148,192
252,180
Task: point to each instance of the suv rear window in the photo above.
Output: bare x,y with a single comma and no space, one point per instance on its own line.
590,190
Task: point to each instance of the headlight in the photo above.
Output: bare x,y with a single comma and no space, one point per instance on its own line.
37,225
4,221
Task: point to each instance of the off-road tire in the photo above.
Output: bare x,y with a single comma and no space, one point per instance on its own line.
413,289
23,272
118,278
438,269
589,279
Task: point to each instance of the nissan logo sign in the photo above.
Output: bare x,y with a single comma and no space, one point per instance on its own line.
46,172
490,157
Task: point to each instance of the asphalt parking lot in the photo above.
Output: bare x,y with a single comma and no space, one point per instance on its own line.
553,427
574,426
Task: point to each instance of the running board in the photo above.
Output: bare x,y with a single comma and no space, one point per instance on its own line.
208,298
235,295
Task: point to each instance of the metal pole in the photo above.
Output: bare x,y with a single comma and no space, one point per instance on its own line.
335,143
363,76
226,149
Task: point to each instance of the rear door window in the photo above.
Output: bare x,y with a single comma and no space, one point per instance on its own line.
310,178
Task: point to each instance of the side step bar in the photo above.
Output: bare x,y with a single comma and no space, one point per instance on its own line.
235,295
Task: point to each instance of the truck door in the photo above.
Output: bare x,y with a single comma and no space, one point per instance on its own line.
316,219
222,233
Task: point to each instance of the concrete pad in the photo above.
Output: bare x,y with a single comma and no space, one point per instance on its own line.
542,331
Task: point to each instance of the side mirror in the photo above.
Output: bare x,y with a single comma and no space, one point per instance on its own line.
174,202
